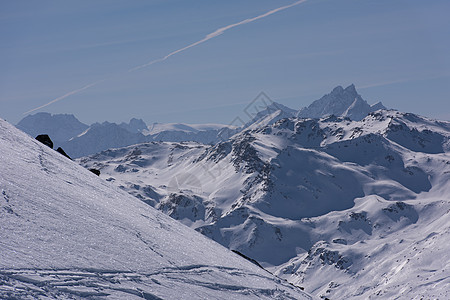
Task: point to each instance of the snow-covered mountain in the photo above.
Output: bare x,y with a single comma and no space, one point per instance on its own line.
67,234
200,133
349,209
134,126
102,136
99,137
270,114
340,102
157,128
61,127
78,139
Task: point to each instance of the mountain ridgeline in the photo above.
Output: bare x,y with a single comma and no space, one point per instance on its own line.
79,139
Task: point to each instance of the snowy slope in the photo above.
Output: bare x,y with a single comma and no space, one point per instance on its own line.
156,128
269,113
346,208
99,137
67,234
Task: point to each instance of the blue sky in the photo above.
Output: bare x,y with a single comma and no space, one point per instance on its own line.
397,52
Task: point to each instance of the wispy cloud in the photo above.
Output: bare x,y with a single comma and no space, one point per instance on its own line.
208,37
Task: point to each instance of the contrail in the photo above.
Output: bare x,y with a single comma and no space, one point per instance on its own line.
212,35
216,34
65,96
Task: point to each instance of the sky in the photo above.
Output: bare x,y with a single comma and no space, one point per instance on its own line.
117,59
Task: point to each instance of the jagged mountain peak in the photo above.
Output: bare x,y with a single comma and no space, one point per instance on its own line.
340,102
135,125
351,89
337,90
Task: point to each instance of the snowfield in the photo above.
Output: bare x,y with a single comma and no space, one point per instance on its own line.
68,234
346,209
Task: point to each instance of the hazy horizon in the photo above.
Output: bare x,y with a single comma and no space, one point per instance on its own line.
203,62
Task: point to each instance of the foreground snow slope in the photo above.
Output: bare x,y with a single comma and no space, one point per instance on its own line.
349,209
65,233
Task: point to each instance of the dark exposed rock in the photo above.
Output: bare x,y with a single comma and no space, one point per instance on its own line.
340,241
329,257
248,258
399,210
245,155
45,139
95,171
216,153
60,150
180,206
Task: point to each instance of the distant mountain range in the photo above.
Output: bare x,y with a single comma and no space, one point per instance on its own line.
61,127
79,139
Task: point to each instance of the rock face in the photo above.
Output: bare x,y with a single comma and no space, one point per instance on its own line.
340,102
134,126
95,171
45,139
60,150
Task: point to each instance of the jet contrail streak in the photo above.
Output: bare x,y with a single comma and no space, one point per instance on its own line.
205,39
216,34
65,96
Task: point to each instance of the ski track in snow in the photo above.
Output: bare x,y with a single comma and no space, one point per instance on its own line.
86,283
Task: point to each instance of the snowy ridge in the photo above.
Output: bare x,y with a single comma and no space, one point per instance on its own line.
349,209
99,137
80,140
156,128
67,234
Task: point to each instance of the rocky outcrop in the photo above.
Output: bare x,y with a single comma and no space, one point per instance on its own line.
45,139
